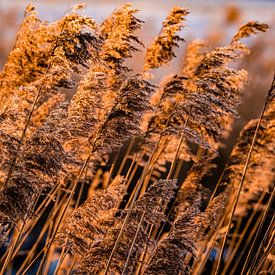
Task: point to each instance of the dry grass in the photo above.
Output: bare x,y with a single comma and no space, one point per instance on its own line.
99,177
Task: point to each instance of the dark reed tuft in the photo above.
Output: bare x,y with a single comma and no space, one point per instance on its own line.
89,223
145,209
123,121
168,258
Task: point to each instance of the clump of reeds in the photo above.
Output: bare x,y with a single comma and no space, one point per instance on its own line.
112,196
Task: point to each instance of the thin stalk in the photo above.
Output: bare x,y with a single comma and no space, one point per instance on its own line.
217,186
81,189
33,261
244,249
60,260
236,247
146,183
50,230
174,163
151,169
126,156
235,236
259,228
131,207
79,195
268,251
269,94
130,175
48,262
131,167
179,167
13,246
132,245
65,207
110,178
72,266
43,231
142,260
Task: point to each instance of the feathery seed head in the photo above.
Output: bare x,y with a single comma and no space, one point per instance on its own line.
162,49
251,27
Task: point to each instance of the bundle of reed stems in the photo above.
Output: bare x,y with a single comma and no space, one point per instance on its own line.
106,171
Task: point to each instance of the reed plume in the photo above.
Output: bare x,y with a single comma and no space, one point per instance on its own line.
258,167
89,223
123,121
39,165
75,45
162,49
43,52
28,60
62,59
195,52
168,258
147,209
251,27
86,110
118,34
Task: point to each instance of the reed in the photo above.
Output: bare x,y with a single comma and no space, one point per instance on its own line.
107,170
